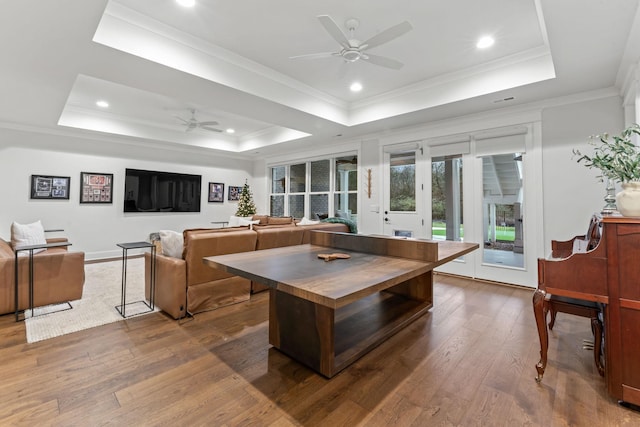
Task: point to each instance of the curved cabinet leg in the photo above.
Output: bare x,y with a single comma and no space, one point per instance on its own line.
540,312
596,326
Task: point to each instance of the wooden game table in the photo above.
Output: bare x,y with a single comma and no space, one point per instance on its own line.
327,314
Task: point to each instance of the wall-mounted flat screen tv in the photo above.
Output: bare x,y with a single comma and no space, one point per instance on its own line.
153,191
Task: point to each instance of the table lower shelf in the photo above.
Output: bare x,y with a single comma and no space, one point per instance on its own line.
329,340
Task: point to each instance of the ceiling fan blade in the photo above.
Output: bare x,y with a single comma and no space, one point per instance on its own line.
333,30
186,122
211,123
388,34
382,61
211,129
315,55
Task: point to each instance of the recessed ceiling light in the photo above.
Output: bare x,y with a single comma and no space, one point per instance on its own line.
355,87
230,130
186,3
102,103
485,42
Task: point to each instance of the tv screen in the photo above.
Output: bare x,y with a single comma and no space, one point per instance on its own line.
153,191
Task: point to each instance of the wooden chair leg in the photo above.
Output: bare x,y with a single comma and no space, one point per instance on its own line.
552,320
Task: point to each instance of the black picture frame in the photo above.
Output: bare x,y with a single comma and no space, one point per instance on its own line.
216,192
234,193
50,187
96,187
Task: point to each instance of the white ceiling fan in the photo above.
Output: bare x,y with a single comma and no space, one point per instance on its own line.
352,49
193,123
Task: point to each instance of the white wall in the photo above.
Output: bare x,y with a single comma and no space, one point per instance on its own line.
572,193
95,229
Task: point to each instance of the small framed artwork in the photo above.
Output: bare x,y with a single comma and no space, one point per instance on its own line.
50,187
234,193
216,192
96,187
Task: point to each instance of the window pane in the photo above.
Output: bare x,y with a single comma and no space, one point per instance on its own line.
402,189
296,206
276,206
277,179
297,178
346,173
320,176
446,198
319,208
345,205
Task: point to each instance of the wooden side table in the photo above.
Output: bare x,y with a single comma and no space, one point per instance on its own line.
123,297
30,249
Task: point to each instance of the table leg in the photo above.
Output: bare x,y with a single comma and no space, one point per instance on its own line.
303,330
420,288
16,286
123,289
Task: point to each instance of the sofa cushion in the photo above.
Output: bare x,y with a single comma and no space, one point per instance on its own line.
277,237
28,234
200,245
172,243
275,220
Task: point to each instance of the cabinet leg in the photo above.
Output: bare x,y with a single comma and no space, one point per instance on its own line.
540,312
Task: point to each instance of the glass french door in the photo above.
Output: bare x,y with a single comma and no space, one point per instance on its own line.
485,194
403,200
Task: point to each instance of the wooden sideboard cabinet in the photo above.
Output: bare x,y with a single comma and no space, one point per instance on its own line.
622,313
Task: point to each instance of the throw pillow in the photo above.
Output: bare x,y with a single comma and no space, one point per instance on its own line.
248,222
262,218
234,221
172,243
28,234
305,221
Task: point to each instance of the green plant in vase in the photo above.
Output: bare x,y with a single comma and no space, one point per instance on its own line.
617,157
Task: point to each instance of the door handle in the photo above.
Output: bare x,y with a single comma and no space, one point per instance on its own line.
386,220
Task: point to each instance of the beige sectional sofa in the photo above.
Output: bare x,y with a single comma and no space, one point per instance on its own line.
187,286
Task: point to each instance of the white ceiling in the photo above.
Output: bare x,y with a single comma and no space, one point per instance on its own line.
153,60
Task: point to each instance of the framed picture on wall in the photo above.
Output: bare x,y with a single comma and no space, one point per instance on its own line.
50,187
234,193
216,192
96,187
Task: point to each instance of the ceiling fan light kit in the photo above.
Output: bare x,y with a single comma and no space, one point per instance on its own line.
352,49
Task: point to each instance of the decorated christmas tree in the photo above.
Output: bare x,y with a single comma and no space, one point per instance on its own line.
246,207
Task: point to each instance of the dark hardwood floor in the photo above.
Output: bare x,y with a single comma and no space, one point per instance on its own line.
469,361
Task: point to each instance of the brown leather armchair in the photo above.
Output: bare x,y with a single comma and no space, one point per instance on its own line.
58,277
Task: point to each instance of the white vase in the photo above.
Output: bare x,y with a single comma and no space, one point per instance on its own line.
628,200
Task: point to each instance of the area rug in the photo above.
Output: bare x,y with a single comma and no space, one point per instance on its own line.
100,296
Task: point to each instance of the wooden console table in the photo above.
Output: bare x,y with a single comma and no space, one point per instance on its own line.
326,315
